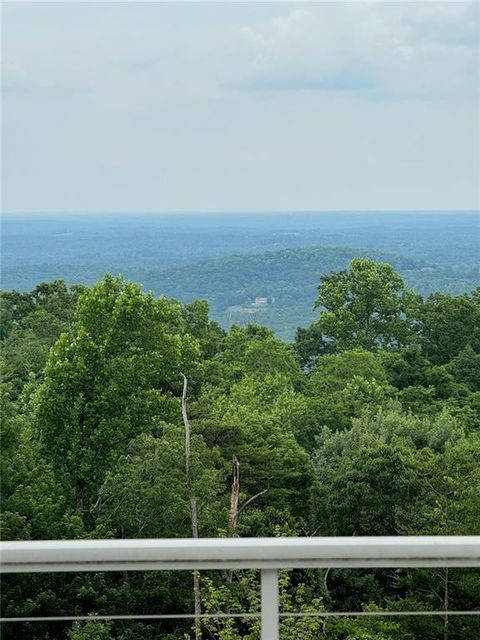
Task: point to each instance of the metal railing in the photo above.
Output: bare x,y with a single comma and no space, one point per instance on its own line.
267,554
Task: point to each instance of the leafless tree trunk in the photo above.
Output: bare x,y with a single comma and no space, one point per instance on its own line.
79,498
234,495
233,517
193,507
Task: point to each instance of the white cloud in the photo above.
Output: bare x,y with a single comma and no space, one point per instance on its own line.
129,106
427,50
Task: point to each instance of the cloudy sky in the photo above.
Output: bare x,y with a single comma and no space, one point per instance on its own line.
240,106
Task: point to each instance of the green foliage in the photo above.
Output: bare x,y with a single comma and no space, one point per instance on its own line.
366,306
90,630
368,425
449,325
288,278
147,495
113,376
311,343
30,324
259,416
465,368
32,503
367,629
334,372
197,322
393,473
345,385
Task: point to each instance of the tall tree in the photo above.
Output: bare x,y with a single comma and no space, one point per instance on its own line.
366,306
449,324
113,376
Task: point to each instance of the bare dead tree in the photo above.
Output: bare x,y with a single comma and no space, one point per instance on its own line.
235,510
193,507
234,496
250,500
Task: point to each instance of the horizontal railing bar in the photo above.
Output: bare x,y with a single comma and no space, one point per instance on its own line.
204,616
334,563
238,553
394,614
153,616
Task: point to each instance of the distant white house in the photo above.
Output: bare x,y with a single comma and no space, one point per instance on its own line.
260,301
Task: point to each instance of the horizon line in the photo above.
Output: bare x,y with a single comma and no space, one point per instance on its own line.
217,212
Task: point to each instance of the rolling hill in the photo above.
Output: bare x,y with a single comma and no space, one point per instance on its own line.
288,278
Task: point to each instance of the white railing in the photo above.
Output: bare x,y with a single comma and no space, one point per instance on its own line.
266,554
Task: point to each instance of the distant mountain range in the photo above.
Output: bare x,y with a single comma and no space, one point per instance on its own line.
231,259
288,279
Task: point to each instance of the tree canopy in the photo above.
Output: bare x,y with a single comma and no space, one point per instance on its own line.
366,306
367,425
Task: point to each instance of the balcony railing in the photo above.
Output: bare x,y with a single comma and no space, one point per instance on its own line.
266,554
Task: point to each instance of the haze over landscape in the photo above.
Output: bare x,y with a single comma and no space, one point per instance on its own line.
240,299
230,260
233,110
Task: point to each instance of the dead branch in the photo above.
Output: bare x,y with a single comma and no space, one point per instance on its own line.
234,495
252,499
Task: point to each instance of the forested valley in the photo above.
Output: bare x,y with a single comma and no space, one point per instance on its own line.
366,424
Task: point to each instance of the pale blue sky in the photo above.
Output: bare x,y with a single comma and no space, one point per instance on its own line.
222,106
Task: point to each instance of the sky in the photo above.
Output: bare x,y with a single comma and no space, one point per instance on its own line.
221,106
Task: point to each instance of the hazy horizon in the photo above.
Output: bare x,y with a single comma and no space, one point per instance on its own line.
163,107
250,212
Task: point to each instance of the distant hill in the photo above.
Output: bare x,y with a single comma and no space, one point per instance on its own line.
232,259
81,248
288,278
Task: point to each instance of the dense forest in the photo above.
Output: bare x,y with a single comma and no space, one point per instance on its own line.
81,248
288,277
367,423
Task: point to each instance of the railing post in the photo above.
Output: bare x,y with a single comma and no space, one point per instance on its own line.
270,620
